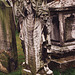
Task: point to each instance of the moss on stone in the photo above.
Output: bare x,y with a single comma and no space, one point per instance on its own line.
5,3
4,60
8,36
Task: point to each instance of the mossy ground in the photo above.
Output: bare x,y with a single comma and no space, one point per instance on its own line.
70,71
21,59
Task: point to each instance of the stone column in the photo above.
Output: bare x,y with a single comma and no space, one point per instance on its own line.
61,28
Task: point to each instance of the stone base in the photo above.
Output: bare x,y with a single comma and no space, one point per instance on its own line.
42,71
63,63
26,72
45,71
59,49
44,74
61,52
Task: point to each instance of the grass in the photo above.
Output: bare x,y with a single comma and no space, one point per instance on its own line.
70,71
19,50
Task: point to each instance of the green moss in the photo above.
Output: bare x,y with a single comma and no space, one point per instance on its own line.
4,60
4,18
3,26
70,71
4,2
16,72
21,57
8,31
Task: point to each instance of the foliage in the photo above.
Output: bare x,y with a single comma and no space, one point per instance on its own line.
70,71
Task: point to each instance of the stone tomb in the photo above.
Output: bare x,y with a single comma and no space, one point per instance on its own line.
63,37
8,49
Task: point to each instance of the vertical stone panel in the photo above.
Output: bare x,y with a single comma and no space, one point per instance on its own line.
32,40
37,43
7,34
61,28
69,28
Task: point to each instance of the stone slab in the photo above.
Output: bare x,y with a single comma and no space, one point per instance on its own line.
63,63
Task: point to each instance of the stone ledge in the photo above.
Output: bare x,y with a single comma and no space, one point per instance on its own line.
63,63
26,72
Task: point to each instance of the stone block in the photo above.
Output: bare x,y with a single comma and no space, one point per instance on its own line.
26,72
63,63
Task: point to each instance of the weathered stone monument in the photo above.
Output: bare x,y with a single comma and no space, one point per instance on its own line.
32,33
8,49
62,35
48,35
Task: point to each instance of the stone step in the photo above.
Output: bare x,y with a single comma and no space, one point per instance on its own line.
28,72
42,71
63,63
62,55
61,52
